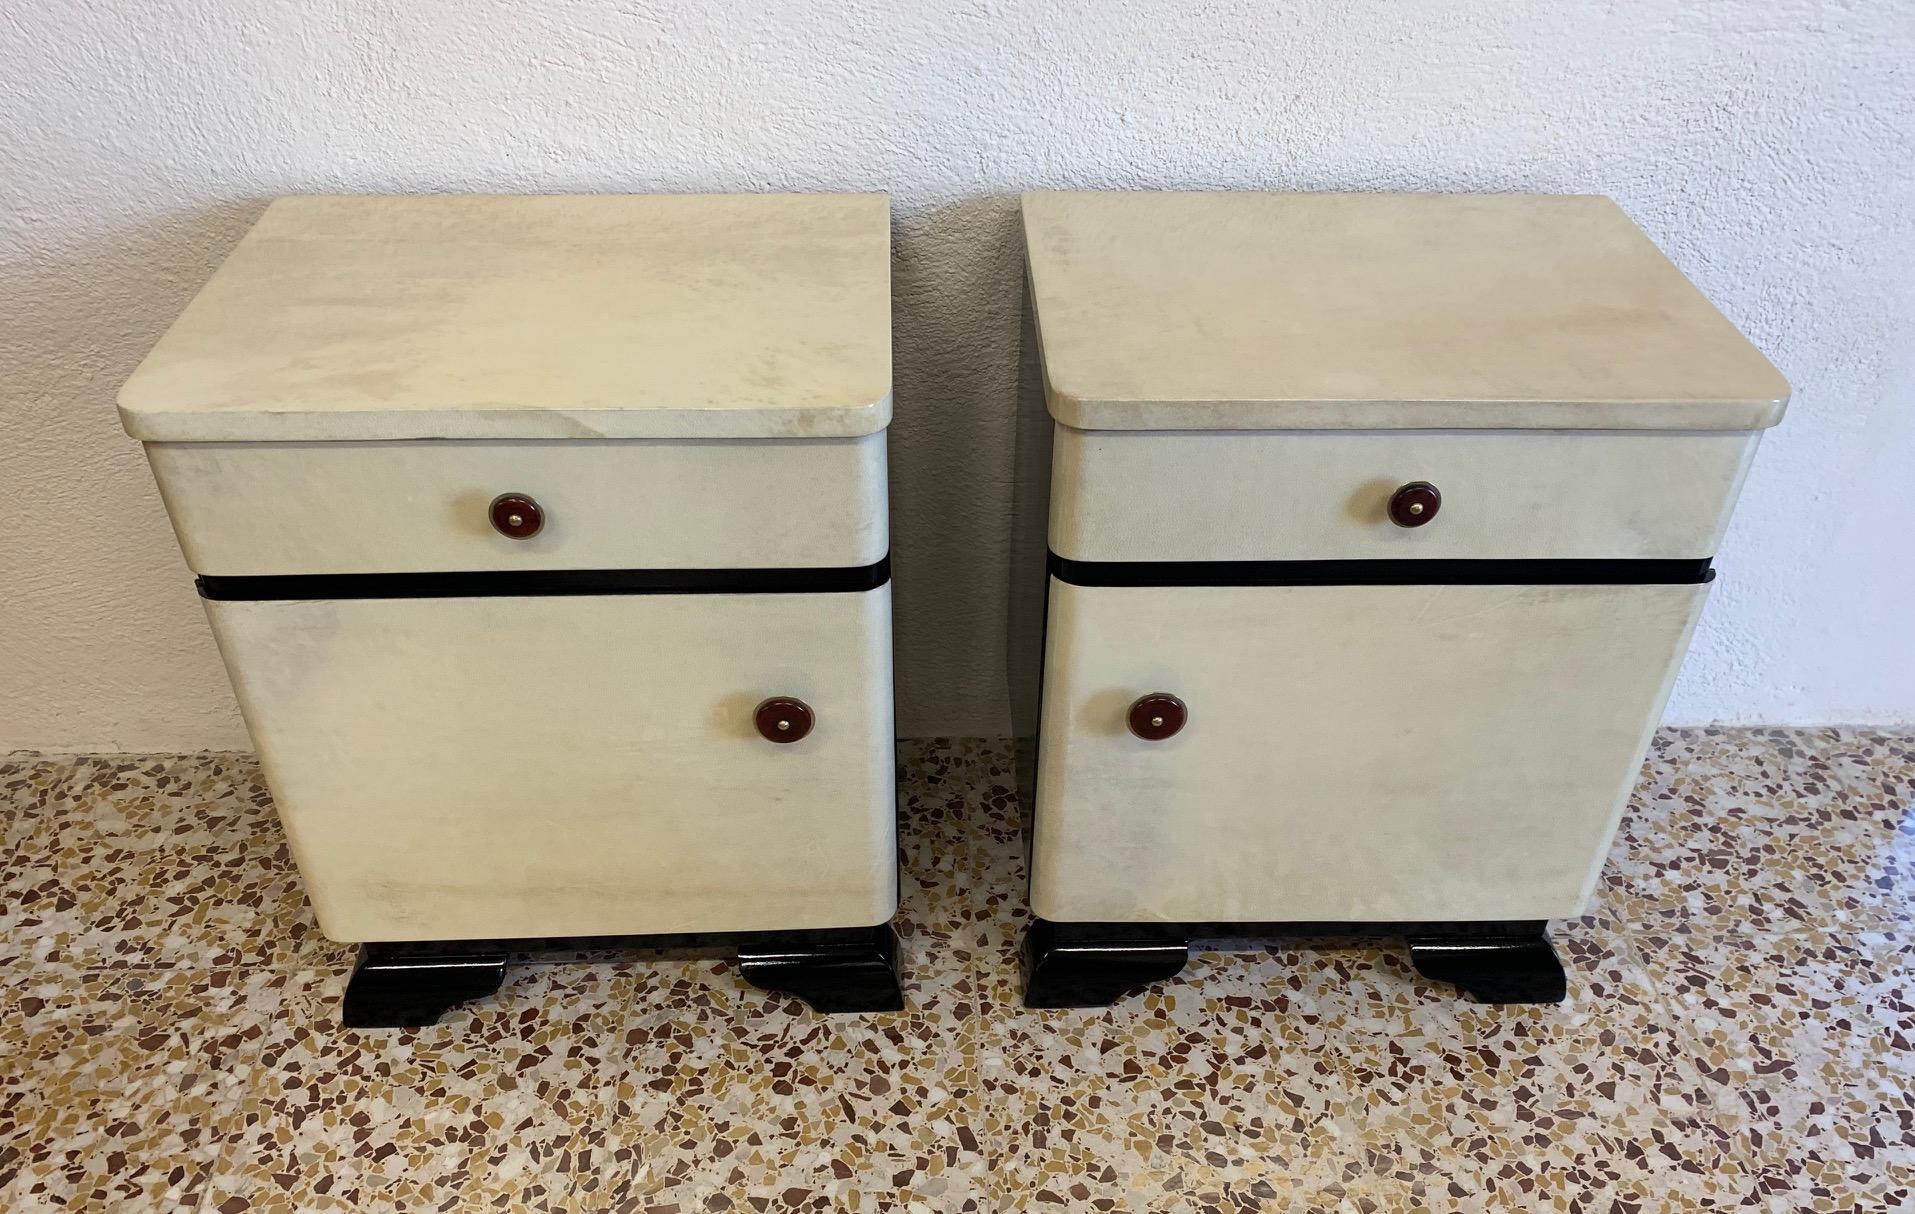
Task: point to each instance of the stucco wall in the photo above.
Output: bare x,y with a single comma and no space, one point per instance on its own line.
1766,145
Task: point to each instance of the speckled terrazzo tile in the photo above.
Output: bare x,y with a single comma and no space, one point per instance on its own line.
1865,756
1745,830
496,1106
157,861
30,790
119,1088
1879,769
945,786
729,1093
1876,822
1520,1107
1218,1084
953,795
1808,1041
29,786
1001,909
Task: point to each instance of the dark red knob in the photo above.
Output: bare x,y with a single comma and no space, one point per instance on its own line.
1157,716
517,516
782,719
1415,504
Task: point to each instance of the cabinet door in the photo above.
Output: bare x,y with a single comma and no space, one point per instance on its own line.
1351,753
574,765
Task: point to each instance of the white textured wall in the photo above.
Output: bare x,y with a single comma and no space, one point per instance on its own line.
1766,145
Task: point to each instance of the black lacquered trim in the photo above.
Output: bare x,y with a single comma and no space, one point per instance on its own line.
528,583
835,969
1543,572
1096,964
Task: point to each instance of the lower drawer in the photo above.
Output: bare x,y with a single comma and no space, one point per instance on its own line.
566,766
1351,753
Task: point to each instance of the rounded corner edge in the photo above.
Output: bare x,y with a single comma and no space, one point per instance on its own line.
872,417
136,419
1067,408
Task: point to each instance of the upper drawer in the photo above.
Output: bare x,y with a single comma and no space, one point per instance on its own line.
1324,495
392,507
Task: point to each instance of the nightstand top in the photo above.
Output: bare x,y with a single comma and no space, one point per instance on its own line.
534,317
1251,311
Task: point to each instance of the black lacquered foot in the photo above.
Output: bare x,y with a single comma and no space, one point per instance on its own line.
1493,968
1096,964
400,986
849,970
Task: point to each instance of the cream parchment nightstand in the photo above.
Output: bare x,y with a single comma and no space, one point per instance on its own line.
545,541
1378,526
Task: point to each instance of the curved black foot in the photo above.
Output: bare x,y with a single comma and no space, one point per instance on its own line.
841,970
1494,969
405,986
1096,964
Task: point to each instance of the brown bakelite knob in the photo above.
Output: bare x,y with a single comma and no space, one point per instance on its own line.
517,516
1157,716
782,719
1415,504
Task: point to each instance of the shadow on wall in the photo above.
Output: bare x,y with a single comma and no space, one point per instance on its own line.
105,637
957,305
81,317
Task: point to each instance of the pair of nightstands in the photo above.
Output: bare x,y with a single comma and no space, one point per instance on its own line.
545,541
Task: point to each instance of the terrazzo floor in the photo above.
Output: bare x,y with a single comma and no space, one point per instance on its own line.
1738,1033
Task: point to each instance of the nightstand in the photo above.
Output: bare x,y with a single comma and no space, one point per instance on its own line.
545,541
1378,527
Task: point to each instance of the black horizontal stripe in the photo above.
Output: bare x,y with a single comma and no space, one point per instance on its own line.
525,583
1544,572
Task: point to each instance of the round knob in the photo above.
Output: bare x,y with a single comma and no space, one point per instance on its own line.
782,719
1157,716
517,516
1415,504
